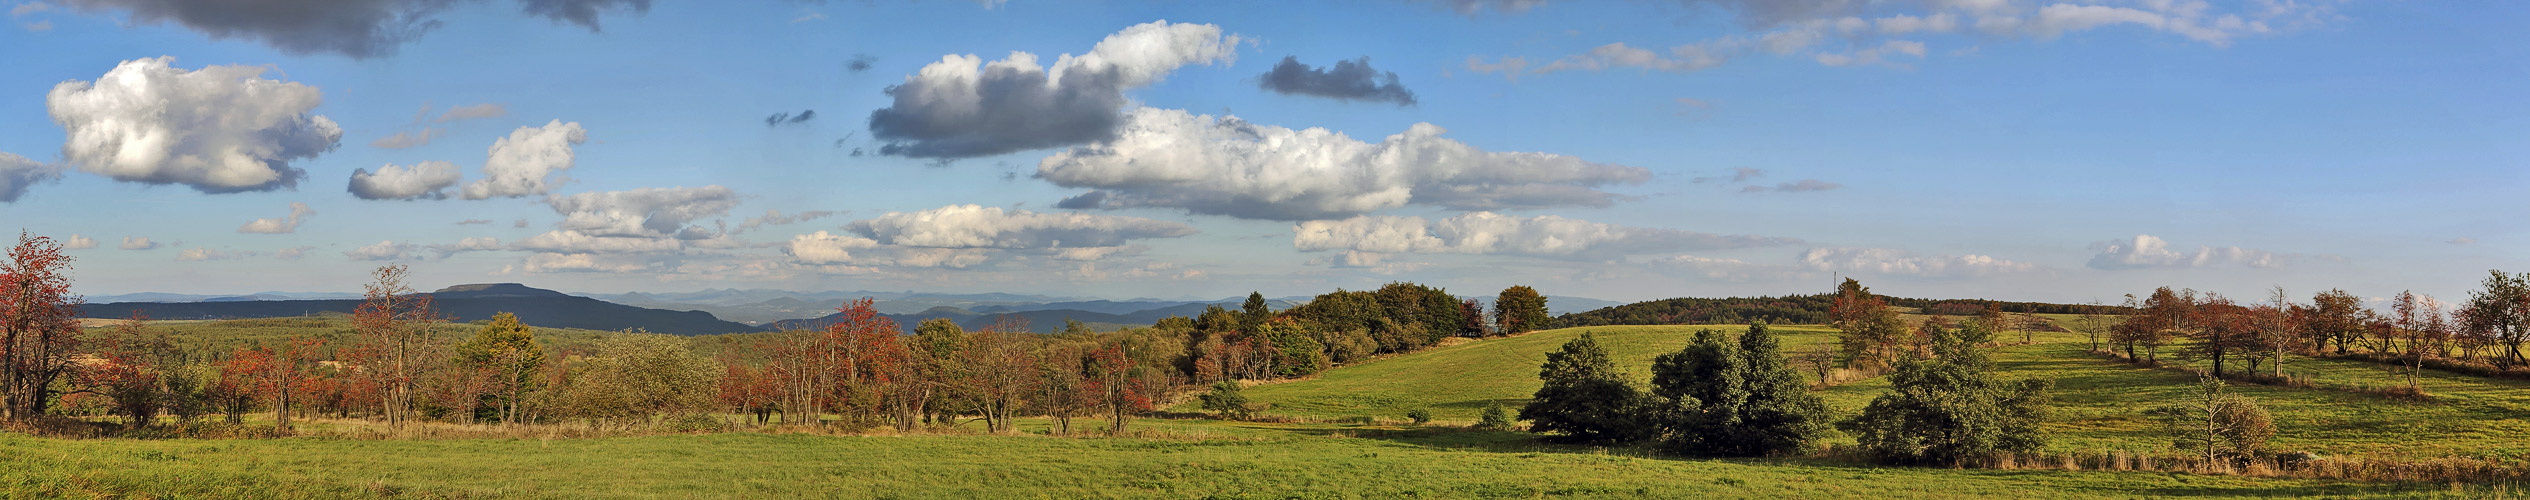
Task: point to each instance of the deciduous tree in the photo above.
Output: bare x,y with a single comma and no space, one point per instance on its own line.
1521,310
508,350
39,326
395,340
1585,398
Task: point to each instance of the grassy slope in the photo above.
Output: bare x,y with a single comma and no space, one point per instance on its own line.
2101,403
1196,459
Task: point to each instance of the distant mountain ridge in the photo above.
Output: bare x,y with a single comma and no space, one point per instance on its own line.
462,303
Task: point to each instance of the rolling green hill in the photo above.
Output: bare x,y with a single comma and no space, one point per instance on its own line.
2100,402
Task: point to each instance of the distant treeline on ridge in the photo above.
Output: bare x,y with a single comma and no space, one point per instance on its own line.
1789,309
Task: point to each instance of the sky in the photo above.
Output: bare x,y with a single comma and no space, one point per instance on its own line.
2057,150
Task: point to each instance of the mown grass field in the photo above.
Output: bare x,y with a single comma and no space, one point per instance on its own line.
2101,403
1175,459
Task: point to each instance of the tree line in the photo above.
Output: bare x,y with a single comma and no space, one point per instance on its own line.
400,365
1794,309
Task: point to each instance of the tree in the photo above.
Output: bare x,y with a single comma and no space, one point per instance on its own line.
1254,312
1585,399
278,372
2336,317
2159,317
507,349
1297,354
1062,390
1945,406
1001,375
39,326
1521,310
2224,330
1120,387
1474,314
2091,324
2217,424
1723,398
939,362
394,325
132,372
1868,331
636,376
1226,399
2500,310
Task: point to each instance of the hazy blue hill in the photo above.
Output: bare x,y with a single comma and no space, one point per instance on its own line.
462,303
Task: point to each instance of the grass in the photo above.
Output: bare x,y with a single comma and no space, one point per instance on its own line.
2100,408
2100,402
1174,459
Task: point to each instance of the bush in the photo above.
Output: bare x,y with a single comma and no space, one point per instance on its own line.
1419,416
1495,418
1585,399
1227,400
2217,425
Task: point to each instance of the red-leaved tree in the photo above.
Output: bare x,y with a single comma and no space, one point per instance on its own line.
39,326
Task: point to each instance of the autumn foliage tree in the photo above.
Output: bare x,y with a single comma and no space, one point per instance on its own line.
39,326
395,342
1868,331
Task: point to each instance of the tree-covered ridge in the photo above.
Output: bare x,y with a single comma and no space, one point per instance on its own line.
1789,309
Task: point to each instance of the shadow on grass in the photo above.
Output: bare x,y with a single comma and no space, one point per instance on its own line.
2111,483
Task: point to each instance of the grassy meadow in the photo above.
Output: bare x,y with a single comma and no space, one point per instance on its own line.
2100,402
1342,435
1167,459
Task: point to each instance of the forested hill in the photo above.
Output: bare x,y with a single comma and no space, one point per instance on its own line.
1790,309
461,303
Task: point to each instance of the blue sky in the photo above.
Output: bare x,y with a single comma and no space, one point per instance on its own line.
2048,150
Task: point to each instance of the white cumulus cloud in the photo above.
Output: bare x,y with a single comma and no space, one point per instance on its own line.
77,242
963,107
220,129
1226,166
529,162
975,226
1491,233
138,243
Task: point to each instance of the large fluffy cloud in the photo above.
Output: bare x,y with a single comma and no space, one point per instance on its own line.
17,173
962,107
1491,233
284,225
221,129
529,162
2146,251
1226,166
1345,81
426,180
973,226
1894,262
356,28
